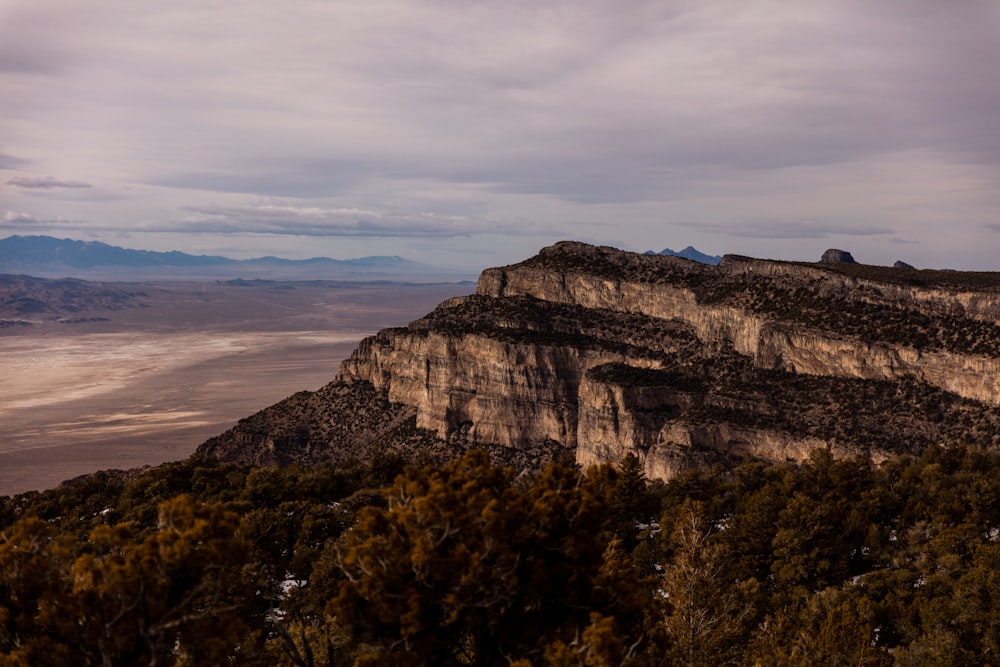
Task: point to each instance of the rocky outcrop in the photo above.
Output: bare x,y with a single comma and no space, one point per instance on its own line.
803,351
490,391
505,371
602,353
792,346
928,292
834,256
650,420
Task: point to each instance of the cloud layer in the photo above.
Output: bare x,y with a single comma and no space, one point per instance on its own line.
288,219
45,183
759,127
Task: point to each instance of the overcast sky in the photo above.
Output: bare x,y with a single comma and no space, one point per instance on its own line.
470,134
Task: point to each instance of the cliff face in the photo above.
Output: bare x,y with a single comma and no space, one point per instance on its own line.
930,292
604,353
508,381
490,390
776,344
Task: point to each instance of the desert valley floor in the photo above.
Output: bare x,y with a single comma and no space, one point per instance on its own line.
149,383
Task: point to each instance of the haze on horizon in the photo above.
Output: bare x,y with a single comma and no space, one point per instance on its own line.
470,135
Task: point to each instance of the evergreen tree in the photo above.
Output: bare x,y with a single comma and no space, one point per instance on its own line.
467,568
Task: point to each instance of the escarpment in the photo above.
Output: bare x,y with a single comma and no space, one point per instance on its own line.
507,371
798,318
600,353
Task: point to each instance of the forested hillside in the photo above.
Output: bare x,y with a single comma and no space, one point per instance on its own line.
833,562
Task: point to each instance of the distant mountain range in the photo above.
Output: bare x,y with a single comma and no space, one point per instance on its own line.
691,253
48,256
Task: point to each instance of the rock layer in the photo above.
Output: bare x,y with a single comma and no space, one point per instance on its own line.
604,353
775,344
481,383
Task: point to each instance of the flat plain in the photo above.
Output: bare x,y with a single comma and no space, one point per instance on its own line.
149,381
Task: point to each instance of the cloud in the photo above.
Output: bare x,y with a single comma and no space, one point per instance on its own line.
14,217
785,229
45,183
11,162
25,39
288,219
361,115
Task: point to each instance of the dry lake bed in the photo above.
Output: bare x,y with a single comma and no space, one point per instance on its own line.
149,383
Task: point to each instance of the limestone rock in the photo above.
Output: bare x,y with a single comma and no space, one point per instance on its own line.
834,256
602,353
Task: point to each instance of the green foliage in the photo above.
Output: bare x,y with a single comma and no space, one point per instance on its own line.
464,567
31,562
708,611
160,600
828,562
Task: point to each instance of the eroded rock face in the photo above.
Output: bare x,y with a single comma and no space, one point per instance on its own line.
834,256
492,391
776,344
603,352
934,295
649,422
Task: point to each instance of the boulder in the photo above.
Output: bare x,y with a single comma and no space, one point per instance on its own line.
834,256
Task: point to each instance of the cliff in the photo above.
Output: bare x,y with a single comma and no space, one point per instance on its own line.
600,353
800,319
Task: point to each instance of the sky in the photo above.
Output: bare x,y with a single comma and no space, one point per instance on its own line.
471,133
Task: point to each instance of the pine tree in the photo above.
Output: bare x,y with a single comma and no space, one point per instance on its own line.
465,567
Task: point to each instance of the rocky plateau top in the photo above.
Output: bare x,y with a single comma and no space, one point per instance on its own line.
596,353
